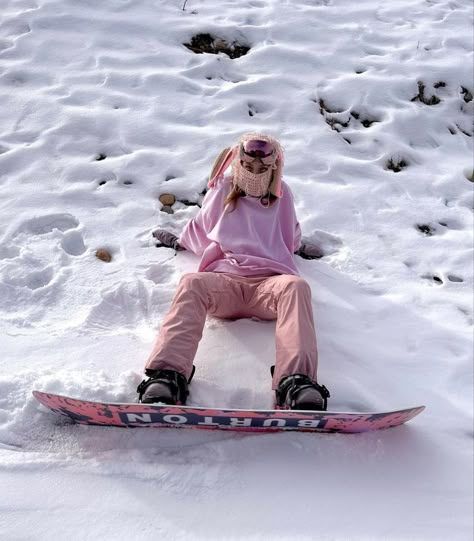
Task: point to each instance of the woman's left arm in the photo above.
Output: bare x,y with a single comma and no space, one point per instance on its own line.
302,247
291,213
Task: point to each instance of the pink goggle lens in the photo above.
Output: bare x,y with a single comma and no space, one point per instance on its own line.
255,149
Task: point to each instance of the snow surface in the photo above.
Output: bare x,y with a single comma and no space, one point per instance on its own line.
102,110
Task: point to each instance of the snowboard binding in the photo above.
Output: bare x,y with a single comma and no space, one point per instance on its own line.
299,392
165,387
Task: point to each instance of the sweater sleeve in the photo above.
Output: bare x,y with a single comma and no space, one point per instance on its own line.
195,234
296,226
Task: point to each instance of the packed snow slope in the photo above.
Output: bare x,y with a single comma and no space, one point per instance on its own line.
102,110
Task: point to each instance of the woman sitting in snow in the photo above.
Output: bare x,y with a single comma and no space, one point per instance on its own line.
246,234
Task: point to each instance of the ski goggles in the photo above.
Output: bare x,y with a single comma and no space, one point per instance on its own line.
253,150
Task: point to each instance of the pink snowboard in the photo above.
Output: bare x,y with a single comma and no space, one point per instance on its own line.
157,416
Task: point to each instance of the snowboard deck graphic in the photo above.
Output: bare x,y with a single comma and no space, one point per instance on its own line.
249,420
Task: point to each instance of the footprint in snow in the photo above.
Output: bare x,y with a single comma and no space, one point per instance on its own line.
14,28
160,274
8,252
60,225
126,306
41,225
35,257
73,244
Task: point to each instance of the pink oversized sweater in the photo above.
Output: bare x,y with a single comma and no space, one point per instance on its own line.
252,240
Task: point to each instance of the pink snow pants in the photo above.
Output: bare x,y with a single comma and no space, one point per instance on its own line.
283,297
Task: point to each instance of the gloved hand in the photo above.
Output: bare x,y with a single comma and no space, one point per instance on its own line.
167,239
309,250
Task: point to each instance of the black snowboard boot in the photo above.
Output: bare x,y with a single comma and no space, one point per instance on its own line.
164,386
299,392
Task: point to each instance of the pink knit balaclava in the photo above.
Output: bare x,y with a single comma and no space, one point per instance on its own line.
255,184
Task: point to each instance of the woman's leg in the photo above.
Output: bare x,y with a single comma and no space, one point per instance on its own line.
197,294
288,298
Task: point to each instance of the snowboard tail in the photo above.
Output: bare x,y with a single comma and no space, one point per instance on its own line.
249,420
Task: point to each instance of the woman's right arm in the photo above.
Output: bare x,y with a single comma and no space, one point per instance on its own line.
194,236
